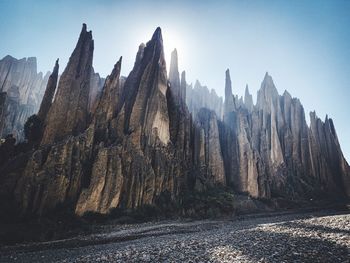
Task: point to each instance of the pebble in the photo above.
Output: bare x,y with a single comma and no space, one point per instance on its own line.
287,238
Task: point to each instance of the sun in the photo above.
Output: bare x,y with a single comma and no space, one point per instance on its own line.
171,40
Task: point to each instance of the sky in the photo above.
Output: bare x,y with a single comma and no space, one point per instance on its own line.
304,45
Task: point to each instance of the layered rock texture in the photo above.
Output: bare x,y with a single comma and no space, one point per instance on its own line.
49,93
96,85
123,145
276,151
199,96
22,89
68,113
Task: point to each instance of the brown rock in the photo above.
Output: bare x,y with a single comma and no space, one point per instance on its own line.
69,111
210,161
49,93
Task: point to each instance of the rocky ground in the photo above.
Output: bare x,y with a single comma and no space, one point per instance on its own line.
296,237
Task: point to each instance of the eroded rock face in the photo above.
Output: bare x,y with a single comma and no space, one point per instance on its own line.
278,154
230,104
68,114
174,76
248,100
328,164
22,90
136,138
96,85
106,110
49,93
200,97
149,114
208,151
133,166
54,175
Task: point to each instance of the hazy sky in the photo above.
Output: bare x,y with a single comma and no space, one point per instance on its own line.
304,45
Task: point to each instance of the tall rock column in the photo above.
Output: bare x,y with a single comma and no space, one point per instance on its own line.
174,77
229,104
183,86
107,105
19,77
149,113
248,99
49,93
68,114
96,85
208,151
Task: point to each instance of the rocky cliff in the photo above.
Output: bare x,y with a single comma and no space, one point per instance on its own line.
135,139
127,155
276,150
96,84
22,89
49,93
68,114
199,96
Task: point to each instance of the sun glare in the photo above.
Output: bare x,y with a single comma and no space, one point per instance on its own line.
171,40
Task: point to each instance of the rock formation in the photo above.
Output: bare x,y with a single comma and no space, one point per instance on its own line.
208,150
135,139
22,89
149,114
96,85
248,100
68,114
200,97
277,152
174,76
229,105
49,93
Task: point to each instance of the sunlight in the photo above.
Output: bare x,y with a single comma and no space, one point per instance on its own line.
171,39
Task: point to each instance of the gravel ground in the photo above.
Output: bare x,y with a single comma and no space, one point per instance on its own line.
307,237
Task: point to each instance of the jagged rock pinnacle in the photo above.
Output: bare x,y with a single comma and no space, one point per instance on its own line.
229,104
49,93
183,87
248,99
69,112
157,35
174,77
228,85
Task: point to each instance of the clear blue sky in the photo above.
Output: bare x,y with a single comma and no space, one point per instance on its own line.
304,45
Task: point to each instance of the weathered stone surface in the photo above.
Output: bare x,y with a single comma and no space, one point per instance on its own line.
278,155
328,164
248,99
230,104
49,93
149,114
208,151
136,139
22,90
183,87
106,109
200,97
140,162
174,77
22,73
54,175
68,114
96,85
